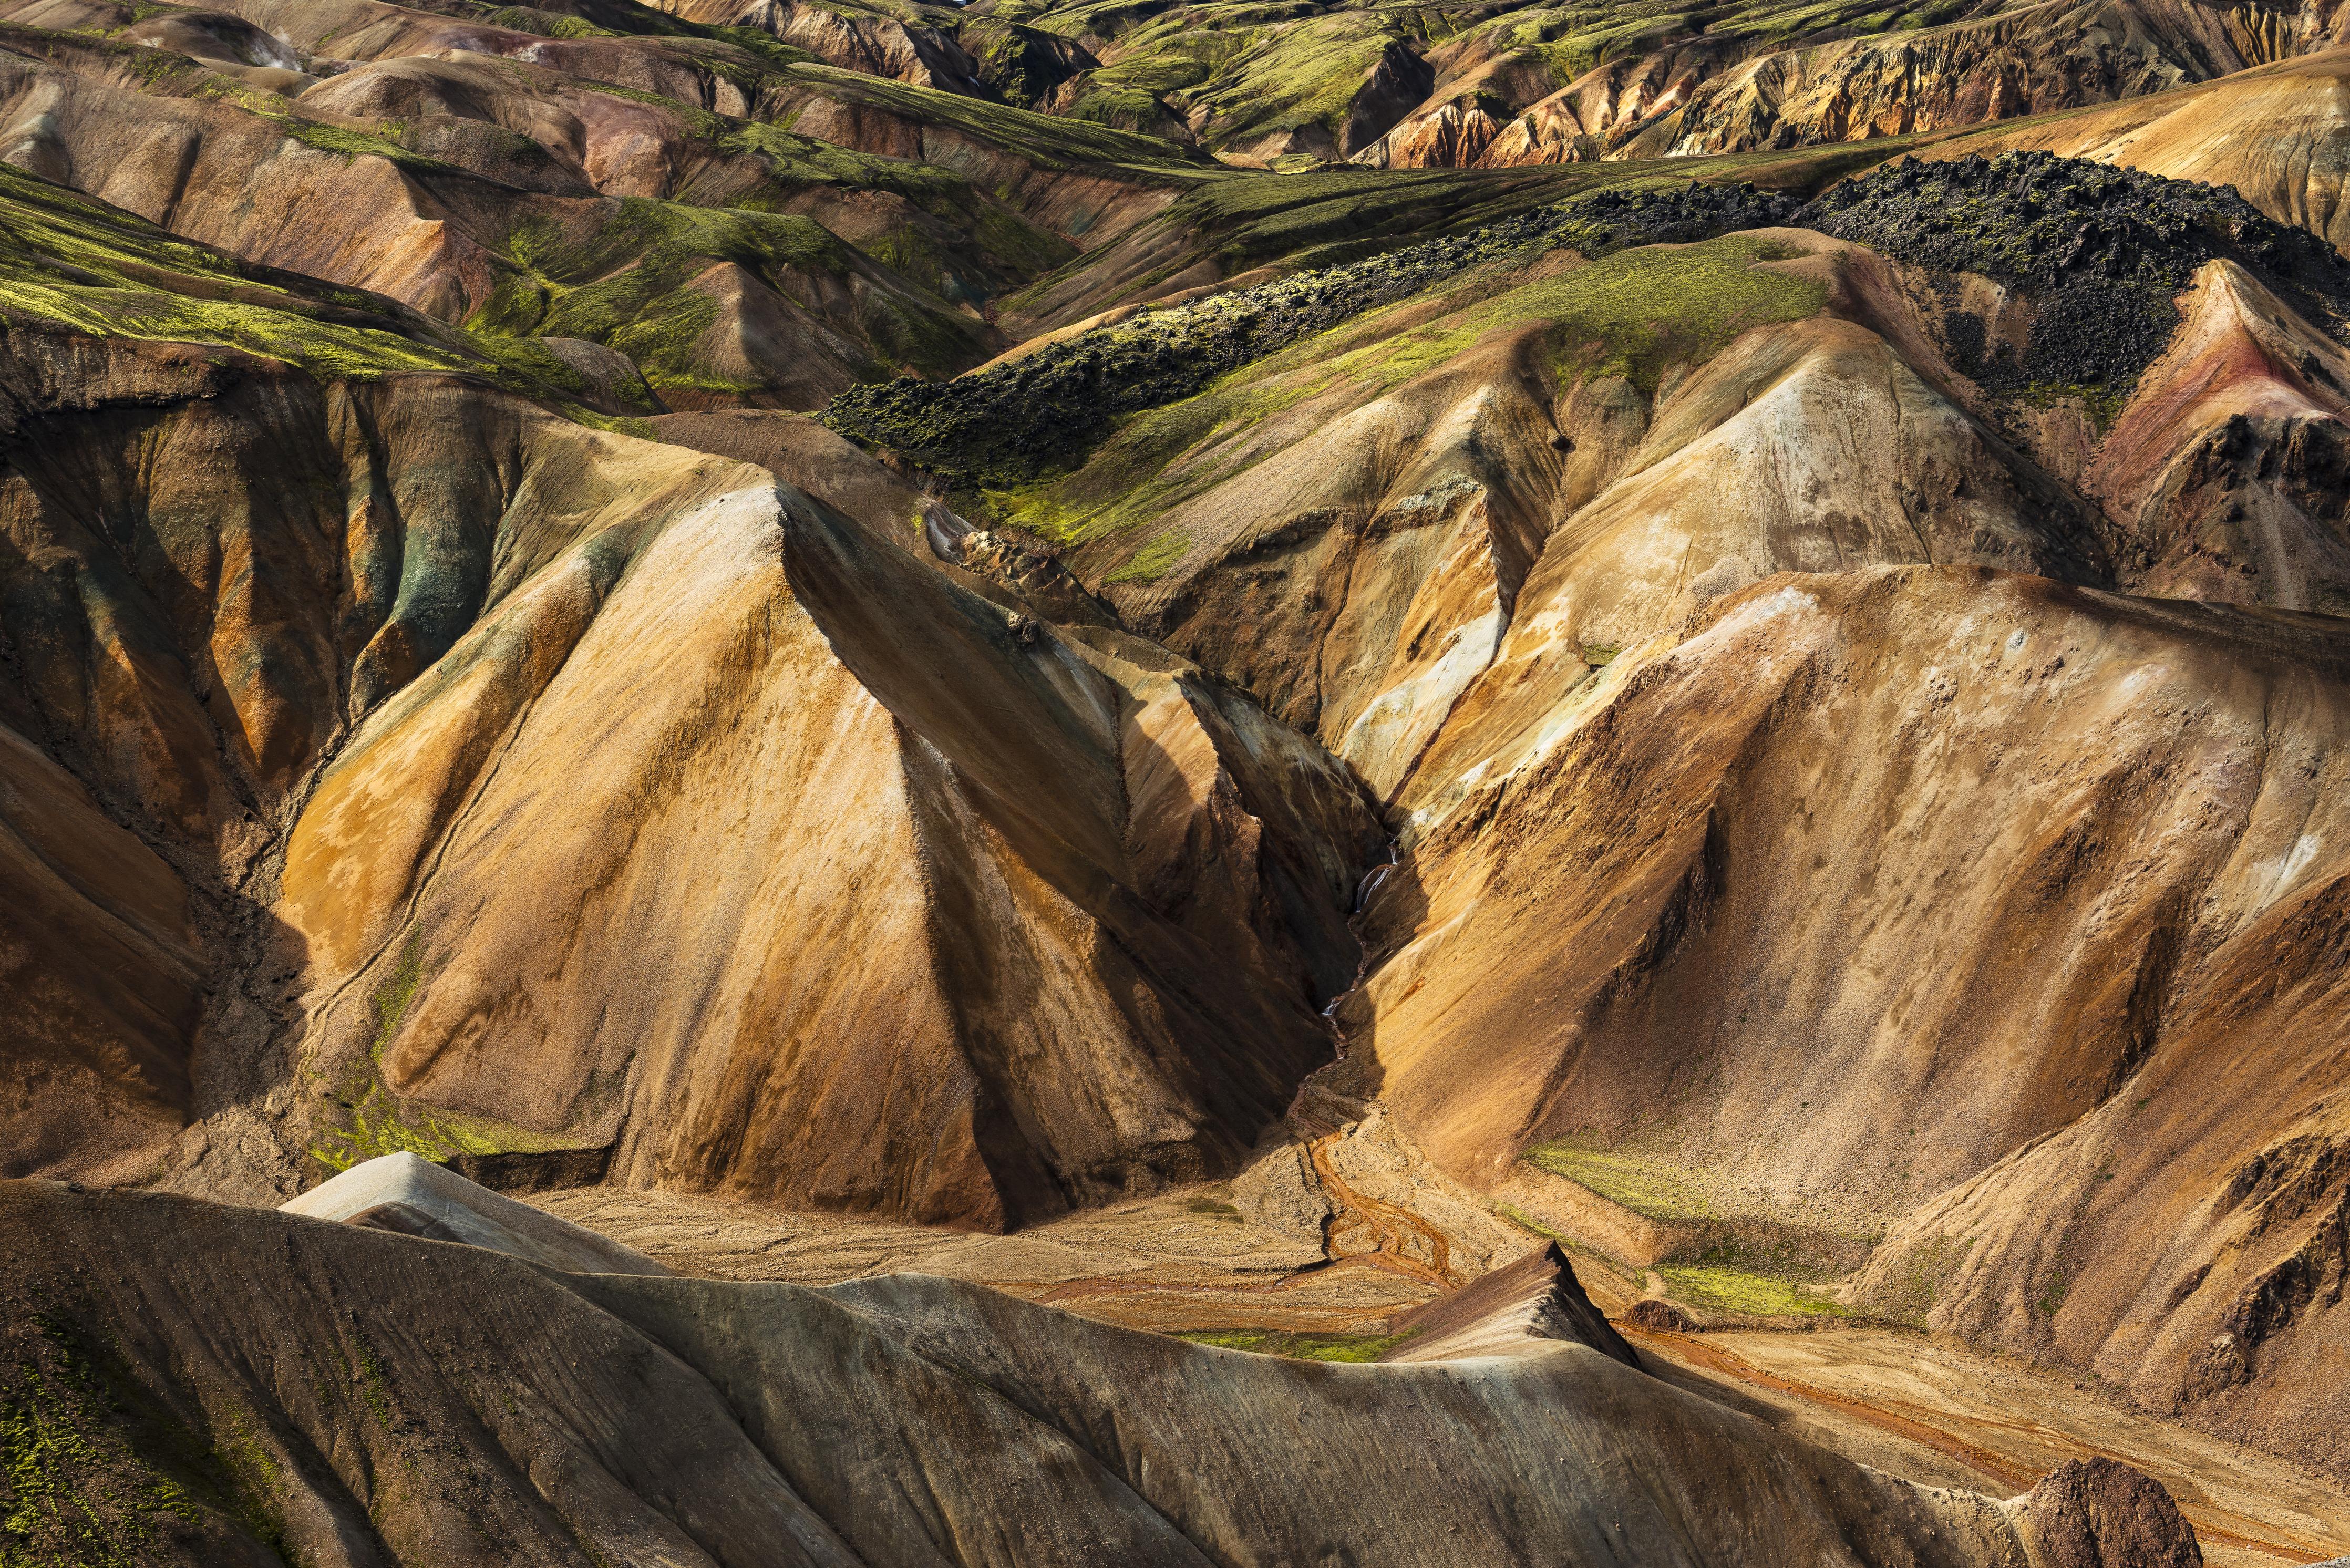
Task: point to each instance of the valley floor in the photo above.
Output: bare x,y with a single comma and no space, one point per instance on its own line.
1185,1262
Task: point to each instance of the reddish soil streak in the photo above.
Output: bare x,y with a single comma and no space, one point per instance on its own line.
1395,1228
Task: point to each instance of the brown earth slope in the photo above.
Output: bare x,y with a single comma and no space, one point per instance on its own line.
351,1396
1809,902
360,648
2073,850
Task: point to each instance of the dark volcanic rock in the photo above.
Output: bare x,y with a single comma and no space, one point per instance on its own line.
2099,249
536,1172
2097,1513
1653,1312
1682,215
1043,412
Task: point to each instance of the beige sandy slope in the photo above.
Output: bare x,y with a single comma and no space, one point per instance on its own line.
386,677
2059,834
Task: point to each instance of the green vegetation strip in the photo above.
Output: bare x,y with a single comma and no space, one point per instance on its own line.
1725,1288
1046,411
1642,1185
1632,314
1347,1348
73,263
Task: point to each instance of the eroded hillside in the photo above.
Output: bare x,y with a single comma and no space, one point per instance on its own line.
1635,715
671,1419
374,585
1668,595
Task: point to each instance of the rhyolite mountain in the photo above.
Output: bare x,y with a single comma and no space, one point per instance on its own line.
1706,647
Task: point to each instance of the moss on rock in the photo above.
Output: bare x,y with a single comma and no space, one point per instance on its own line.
1047,411
2099,249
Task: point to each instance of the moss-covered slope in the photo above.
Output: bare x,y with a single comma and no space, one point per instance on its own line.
1046,411
627,179
72,265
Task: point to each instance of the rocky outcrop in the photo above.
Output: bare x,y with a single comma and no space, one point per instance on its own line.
2097,1513
2093,251
1510,1311
2223,479
1451,136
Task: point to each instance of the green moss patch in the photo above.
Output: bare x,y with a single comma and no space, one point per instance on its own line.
98,1473
1049,142
1645,1187
73,264
1290,77
1156,559
625,283
1634,312
1347,1347
1632,315
968,247
53,1452
379,1123
1722,1288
